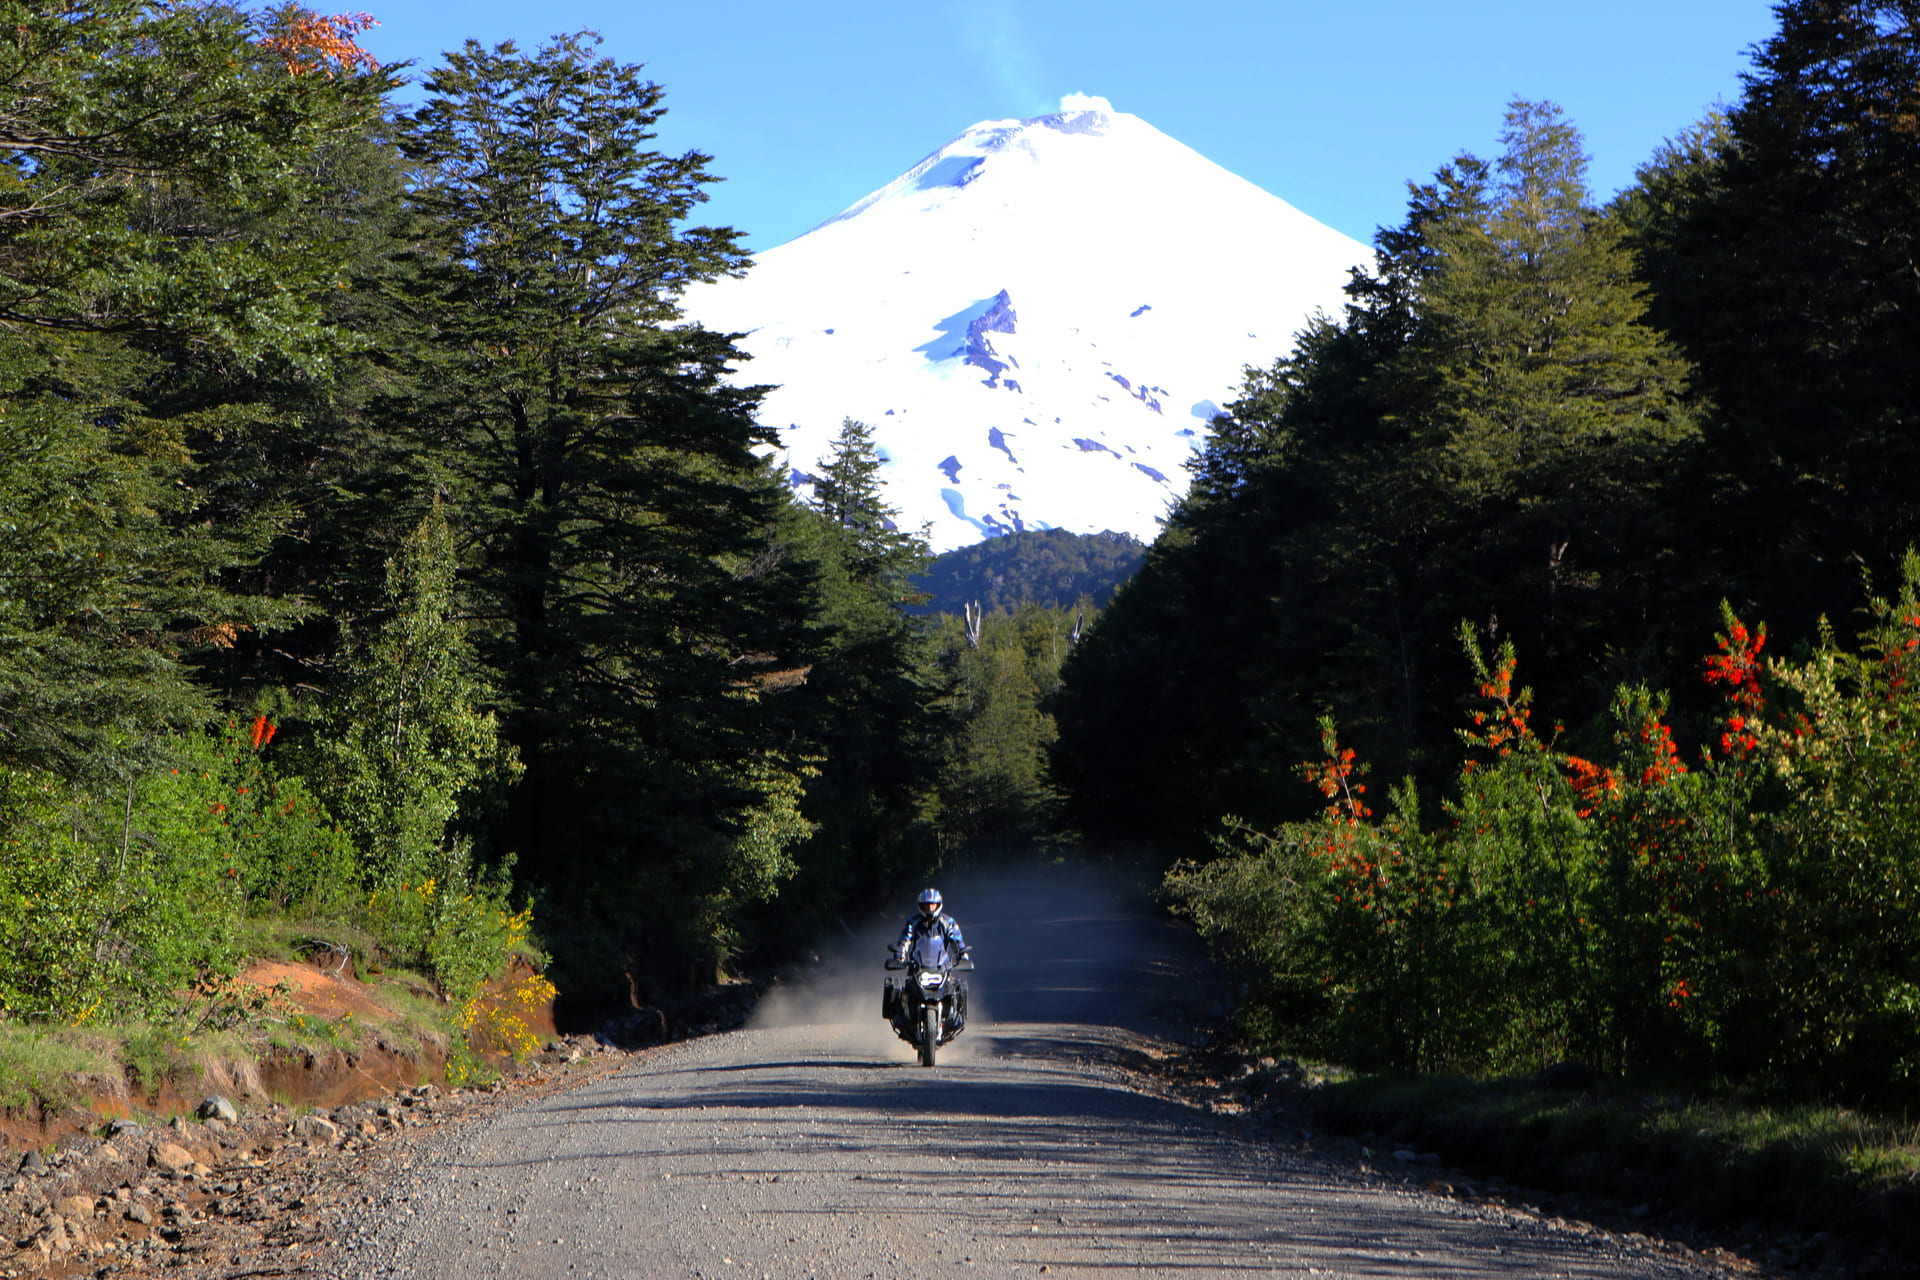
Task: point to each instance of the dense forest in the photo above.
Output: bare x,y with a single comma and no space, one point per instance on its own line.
1048,567
1509,537
383,556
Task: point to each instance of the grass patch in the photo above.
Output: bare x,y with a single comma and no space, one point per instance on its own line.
310,1033
421,1016
1767,1171
289,940
156,1059
52,1066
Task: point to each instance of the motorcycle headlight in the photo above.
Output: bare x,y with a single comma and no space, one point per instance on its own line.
930,980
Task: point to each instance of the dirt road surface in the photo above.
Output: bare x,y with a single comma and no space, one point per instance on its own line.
813,1145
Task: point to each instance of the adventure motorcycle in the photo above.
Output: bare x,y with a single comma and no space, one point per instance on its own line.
929,1007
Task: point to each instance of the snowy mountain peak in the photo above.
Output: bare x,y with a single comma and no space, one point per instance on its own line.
1039,319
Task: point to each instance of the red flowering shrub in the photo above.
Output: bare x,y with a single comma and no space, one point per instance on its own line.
1753,917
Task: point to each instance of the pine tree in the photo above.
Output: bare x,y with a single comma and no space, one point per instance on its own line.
847,492
1781,260
1482,436
615,517
868,702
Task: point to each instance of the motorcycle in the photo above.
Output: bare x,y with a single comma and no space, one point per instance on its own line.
929,1007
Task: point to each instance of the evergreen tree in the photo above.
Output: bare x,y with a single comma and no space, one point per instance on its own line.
1550,406
1481,437
616,518
847,493
1781,258
405,742
995,785
868,701
140,151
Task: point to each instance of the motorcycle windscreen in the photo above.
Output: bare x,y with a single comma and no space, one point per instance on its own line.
930,951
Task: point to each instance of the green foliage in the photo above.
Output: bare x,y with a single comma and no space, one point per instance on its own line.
615,521
847,495
994,782
123,900
404,742
769,826
1808,459
1810,1168
1480,436
107,580
866,696
384,427
1049,567
1748,919
50,884
138,146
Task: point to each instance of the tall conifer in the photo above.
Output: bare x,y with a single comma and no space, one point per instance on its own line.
1782,259
1480,438
616,515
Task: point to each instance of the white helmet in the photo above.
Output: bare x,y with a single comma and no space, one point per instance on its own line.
929,903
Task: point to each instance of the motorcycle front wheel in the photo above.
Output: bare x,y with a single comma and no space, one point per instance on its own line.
929,1033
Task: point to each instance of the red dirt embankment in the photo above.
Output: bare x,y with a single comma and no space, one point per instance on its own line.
134,1176
381,1054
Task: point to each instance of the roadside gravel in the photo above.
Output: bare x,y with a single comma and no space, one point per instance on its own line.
261,1196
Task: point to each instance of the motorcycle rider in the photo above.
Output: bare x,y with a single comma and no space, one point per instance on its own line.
931,920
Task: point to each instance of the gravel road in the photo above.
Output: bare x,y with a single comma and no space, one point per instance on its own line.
812,1145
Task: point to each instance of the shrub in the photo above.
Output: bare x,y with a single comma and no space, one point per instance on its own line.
1751,917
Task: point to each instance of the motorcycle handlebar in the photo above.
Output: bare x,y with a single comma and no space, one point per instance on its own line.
965,966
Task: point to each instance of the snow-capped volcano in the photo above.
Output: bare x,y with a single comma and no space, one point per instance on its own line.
1039,320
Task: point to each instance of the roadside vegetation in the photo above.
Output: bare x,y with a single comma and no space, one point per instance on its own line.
1576,559
391,582
1803,1182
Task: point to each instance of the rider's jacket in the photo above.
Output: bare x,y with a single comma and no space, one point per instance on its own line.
943,924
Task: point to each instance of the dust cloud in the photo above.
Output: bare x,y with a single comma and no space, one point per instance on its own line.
1054,942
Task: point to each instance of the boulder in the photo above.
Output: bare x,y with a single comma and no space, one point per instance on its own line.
316,1127
80,1207
218,1108
171,1157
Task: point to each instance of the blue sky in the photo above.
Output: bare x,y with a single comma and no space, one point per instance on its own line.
1333,107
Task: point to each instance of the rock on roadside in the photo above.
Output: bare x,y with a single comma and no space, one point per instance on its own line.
264,1189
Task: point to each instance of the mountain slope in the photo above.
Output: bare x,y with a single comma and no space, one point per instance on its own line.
1039,319
1050,567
